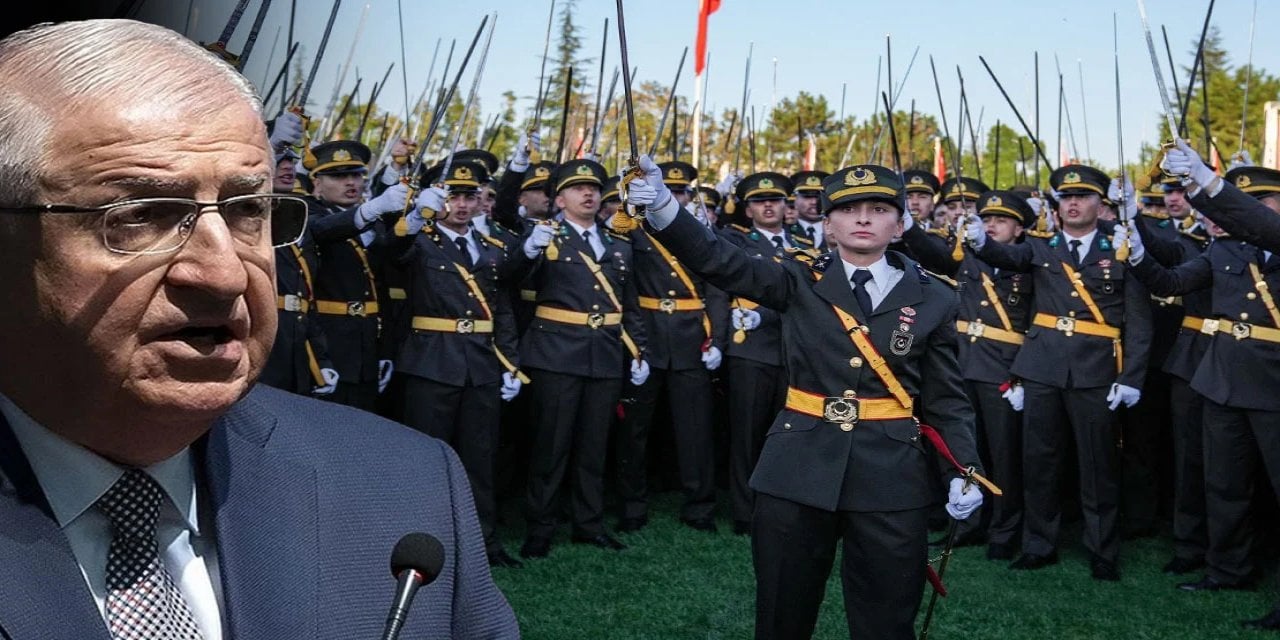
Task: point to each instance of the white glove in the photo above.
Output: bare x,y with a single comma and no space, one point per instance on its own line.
431,199
907,220
385,369
391,200
1036,204
1015,395
975,232
725,187
962,502
330,382
538,239
287,132
661,196
1184,162
1122,393
1241,159
745,319
1136,250
639,372
711,358
510,386
520,160
1130,202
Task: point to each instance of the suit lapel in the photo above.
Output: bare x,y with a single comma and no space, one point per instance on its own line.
1095,252
904,294
42,589
265,519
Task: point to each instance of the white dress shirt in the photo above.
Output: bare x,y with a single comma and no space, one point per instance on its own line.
74,478
884,278
453,236
597,244
1086,241
481,224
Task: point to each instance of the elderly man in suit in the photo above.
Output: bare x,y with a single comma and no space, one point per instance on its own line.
147,487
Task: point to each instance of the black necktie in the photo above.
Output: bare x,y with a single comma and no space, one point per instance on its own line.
777,240
860,278
808,231
586,237
1075,251
465,248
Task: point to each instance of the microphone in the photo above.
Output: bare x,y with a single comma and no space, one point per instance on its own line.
416,561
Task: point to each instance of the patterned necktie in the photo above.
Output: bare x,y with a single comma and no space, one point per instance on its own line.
860,278
143,602
1075,251
465,248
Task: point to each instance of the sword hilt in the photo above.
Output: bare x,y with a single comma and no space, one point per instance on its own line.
633,172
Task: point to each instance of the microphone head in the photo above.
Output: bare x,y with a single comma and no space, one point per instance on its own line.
421,552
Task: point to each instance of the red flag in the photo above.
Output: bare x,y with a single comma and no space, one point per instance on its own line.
705,8
811,154
939,161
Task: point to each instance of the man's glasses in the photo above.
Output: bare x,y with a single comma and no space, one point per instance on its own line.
161,225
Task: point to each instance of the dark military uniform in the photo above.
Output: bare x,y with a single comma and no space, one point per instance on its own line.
300,350
683,318
1071,357
757,380
346,284
809,234
825,474
1186,406
1240,214
1238,377
576,351
995,312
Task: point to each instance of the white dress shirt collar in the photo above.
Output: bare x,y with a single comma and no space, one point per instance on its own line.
1086,241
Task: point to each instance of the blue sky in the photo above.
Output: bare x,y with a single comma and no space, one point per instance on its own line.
818,45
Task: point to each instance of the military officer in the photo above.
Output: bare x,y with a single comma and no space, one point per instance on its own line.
870,337
922,193
523,195
1084,356
808,191
346,284
686,327
1230,206
757,380
460,356
995,311
586,336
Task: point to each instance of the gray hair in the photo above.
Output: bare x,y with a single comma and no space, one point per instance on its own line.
47,67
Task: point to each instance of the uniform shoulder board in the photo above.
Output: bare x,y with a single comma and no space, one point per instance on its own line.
820,264
806,256
619,236
801,240
493,241
740,228
924,275
941,233
1043,235
1198,237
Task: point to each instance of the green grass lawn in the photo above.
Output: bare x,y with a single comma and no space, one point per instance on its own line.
675,583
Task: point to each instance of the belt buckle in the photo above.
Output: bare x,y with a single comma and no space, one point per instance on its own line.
465,326
1210,326
976,329
1065,324
595,320
292,302
841,410
1241,330
667,305
355,309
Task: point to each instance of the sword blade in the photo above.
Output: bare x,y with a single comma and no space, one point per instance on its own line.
626,84
315,64
1155,67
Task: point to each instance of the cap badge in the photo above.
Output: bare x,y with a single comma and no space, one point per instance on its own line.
584,170
995,201
860,176
1243,181
1071,178
463,172
341,155
542,172
676,173
917,180
766,183
813,181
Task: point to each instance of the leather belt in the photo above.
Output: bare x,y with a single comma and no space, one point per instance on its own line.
977,329
671,305
593,320
847,409
397,293
1241,330
451,325
290,302
356,309
1193,323
1071,326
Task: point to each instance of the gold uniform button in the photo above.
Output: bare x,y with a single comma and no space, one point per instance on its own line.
673,275
671,293
1075,294
855,362
1244,316
469,313
786,426
595,307
850,393
984,303
596,287
1071,314
1251,295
